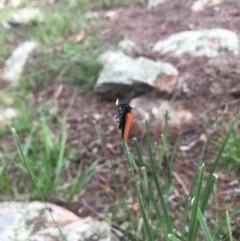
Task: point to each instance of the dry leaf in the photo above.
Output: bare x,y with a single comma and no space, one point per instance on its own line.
112,15
79,37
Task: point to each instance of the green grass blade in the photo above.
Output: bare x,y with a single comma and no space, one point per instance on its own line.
173,237
15,136
148,141
167,218
205,198
145,177
138,150
168,183
60,160
133,166
81,180
216,162
204,226
168,221
144,215
14,133
174,150
208,191
229,226
46,140
193,221
130,156
191,191
129,225
160,219
47,150
140,197
165,131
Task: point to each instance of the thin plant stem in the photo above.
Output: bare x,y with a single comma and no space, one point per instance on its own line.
14,133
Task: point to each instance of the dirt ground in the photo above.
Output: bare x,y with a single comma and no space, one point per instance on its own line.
210,85
209,95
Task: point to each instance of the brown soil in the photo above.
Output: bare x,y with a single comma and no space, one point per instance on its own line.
145,27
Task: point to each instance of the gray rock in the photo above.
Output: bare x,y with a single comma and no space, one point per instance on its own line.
154,3
15,64
205,42
122,74
84,229
7,114
26,16
4,25
200,5
128,47
21,221
155,110
12,3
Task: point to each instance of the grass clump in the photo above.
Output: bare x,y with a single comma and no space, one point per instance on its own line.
61,20
59,58
152,182
44,155
149,184
68,47
71,65
64,57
